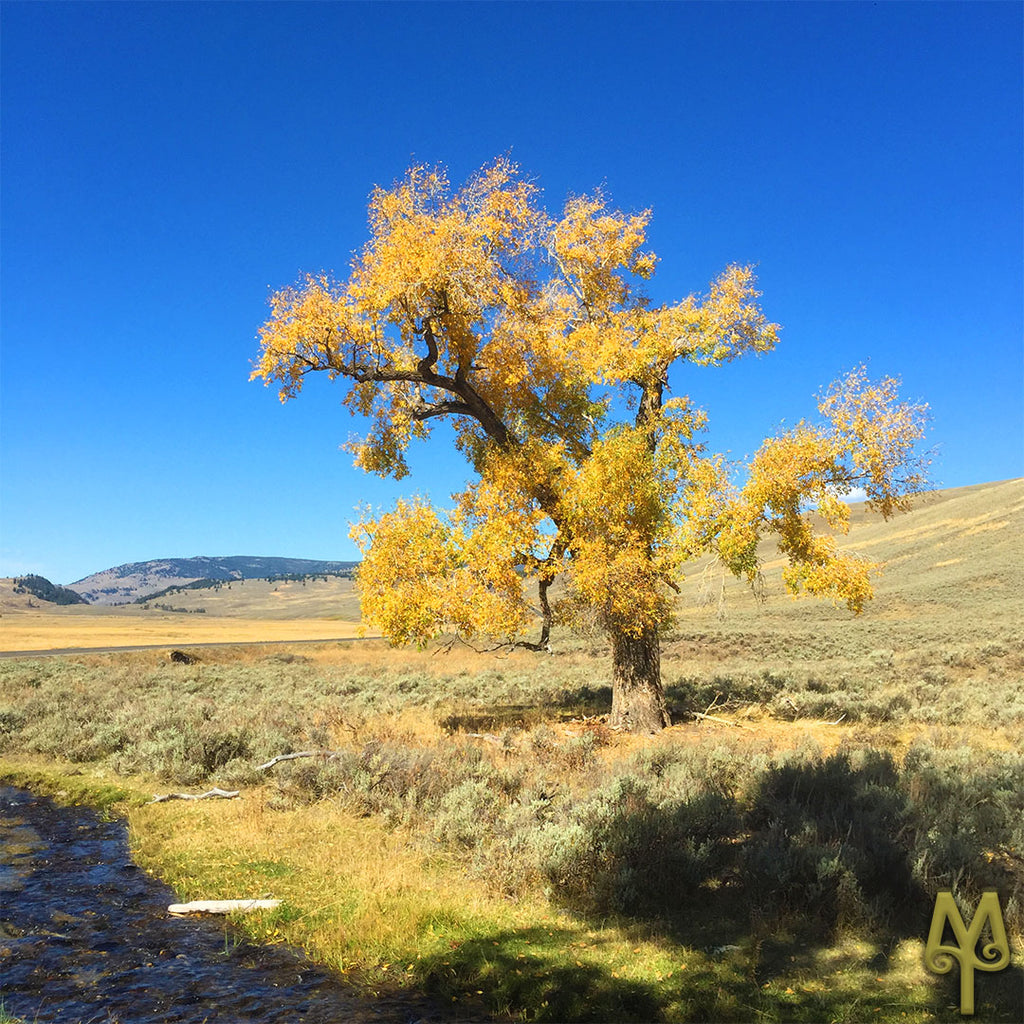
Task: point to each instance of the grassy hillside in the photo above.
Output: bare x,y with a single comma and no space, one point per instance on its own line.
958,551
123,584
333,598
243,611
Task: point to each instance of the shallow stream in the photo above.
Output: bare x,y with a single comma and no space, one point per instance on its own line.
85,937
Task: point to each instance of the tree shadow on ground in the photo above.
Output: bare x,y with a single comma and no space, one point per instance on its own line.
585,700
576,702
818,859
495,717
539,972
686,695
535,969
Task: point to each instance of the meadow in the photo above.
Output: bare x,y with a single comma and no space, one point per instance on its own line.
245,611
475,831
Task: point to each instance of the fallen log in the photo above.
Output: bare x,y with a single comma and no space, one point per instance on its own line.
221,906
721,721
223,793
301,753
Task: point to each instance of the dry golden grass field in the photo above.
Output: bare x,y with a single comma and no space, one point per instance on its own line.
251,611
56,631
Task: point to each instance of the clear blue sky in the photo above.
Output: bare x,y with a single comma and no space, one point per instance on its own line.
164,164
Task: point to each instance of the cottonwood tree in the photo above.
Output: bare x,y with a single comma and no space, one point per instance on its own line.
532,335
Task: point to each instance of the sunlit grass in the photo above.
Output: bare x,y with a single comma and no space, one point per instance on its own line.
55,631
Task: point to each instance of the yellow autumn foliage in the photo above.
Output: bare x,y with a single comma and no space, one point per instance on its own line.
533,336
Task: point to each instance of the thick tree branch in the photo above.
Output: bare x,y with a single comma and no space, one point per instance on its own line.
670,583
472,403
547,577
545,610
488,419
424,411
651,395
429,361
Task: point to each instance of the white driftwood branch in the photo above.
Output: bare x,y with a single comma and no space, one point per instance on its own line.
223,793
721,721
302,753
221,906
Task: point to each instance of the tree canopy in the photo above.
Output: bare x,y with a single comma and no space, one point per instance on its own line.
534,336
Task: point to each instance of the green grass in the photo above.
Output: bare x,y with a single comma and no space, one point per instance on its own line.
7,1018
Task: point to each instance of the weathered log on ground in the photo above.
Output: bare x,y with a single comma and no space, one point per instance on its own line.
221,906
702,717
223,793
301,753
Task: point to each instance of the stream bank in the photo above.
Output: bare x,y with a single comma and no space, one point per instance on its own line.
85,937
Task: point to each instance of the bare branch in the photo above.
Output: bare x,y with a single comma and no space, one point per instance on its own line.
223,793
721,721
498,648
489,737
221,906
328,754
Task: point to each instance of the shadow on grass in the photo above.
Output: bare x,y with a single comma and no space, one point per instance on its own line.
541,974
576,702
494,718
816,861
689,694
535,970
585,700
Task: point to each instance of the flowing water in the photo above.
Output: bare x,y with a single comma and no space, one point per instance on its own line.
85,937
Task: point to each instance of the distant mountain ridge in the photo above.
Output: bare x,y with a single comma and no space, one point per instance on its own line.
41,587
128,582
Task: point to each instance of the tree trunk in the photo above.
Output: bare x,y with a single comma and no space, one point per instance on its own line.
638,699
